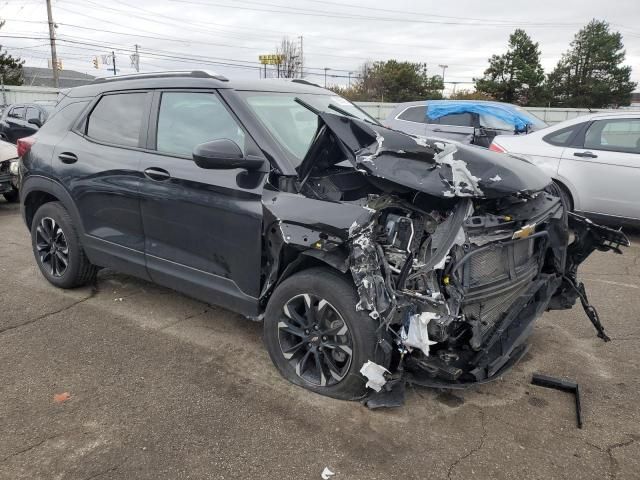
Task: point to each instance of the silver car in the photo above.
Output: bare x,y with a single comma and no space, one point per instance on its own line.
475,122
595,158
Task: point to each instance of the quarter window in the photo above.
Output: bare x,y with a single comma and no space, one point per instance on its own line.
17,112
187,119
414,114
562,137
118,119
617,134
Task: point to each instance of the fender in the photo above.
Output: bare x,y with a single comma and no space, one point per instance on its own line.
575,196
39,183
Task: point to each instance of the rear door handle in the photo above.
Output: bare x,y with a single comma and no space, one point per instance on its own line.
585,155
157,174
68,157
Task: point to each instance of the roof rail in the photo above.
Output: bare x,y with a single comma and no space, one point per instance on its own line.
305,82
167,73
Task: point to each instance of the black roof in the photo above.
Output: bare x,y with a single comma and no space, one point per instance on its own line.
191,79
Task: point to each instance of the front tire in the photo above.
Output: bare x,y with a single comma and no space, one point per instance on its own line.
315,336
57,248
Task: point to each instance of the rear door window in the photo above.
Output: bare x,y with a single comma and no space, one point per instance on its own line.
187,119
33,114
456,120
414,114
619,135
118,119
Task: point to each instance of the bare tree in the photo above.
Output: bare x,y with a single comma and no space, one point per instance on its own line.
291,58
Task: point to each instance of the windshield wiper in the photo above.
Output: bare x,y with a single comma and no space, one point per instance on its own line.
306,105
341,111
335,109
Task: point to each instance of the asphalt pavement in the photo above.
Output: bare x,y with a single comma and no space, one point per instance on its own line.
129,380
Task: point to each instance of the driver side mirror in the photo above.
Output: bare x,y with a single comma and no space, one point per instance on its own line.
223,154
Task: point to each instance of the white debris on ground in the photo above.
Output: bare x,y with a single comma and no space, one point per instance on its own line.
497,178
326,473
375,375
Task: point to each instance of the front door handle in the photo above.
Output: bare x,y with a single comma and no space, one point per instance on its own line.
585,155
68,157
157,174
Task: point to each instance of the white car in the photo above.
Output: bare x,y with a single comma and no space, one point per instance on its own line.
595,158
9,171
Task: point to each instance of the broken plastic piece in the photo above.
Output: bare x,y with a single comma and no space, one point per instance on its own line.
326,473
391,396
417,335
375,375
559,384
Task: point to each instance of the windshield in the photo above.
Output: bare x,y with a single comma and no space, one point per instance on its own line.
293,124
535,123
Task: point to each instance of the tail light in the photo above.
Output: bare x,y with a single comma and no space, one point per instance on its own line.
494,147
24,145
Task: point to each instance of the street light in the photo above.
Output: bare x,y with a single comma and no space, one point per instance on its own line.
325,76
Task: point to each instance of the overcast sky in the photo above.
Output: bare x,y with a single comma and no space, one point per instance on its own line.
228,35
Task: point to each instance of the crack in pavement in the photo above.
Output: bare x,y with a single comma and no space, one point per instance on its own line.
45,315
472,450
613,462
37,444
104,472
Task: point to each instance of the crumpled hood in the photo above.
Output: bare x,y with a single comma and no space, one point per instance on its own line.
434,166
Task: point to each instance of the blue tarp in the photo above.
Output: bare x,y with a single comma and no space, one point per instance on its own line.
506,113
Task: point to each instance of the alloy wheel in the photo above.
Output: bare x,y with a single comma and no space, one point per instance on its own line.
315,340
52,246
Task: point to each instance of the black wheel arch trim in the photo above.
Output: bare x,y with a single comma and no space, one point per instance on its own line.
33,184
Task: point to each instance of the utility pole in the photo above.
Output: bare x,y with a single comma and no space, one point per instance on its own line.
52,40
443,67
135,59
325,76
4,94
301,57
350,73
113,60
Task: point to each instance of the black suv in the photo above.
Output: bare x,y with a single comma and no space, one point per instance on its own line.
21,120
372,256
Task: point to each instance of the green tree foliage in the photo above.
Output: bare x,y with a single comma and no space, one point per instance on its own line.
470,95
591,74
10,68
393,81
516,76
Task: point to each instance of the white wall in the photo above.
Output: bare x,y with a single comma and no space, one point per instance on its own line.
23,94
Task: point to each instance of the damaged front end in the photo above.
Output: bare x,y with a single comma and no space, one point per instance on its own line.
454,250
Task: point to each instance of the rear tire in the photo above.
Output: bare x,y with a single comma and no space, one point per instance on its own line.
57,248
313,314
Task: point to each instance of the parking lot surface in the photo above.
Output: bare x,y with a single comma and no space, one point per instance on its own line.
131,380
